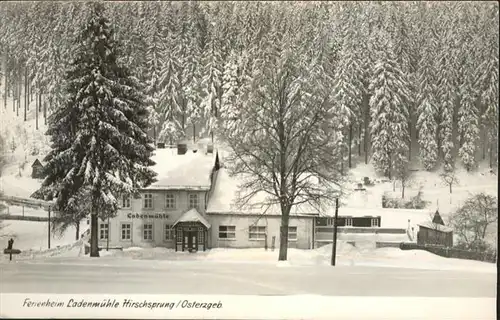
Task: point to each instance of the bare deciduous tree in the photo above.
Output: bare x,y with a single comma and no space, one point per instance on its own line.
284,141
449,178
405,176
473,219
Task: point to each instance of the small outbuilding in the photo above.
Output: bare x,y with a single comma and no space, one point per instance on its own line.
435,233
38,170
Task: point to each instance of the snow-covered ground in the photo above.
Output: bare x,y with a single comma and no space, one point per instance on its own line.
347,255
33,235
434,191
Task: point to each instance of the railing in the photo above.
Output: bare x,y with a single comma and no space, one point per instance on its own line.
326,233
27,202
329,229
24,218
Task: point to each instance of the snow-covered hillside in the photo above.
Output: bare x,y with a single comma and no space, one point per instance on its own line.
430,183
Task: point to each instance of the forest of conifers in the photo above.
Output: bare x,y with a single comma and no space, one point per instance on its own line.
419,78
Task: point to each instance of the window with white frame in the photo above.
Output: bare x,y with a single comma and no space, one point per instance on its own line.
348,222
193,200
169,232
126,201
179,236
292,233
147,232
148,201
170,201
257,233
374,222
227,232
126,231
103,231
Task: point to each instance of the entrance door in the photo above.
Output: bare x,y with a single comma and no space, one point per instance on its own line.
192,240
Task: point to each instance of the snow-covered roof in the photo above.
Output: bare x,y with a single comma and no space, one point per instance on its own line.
225,194
187,171
435,226
192,215
390,218
38,162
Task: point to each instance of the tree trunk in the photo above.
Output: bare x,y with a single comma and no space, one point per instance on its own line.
409,144
36,111
367,121
28,89
342,162
402,190
491,154
94,244
350,146
6,91
451,184
485,143
45,112
194,133
26,95
359,141
154,133
14,96
19,96
77,226
283,254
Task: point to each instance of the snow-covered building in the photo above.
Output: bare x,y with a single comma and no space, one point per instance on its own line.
256,223
193,207
169,213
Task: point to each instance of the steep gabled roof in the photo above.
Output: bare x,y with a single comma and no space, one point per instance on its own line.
37,163
437,219
223,200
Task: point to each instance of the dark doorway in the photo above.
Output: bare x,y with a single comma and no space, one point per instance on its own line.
191,241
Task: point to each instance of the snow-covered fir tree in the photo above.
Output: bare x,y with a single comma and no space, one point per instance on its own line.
154,59
426,113
99,139
468,126
486,81
446,99
170,100
347,95
211,85
389,113
231,90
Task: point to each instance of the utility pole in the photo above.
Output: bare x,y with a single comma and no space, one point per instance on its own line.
48,231
107,238
334,247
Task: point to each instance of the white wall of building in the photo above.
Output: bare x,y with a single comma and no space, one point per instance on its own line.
162,216
242,223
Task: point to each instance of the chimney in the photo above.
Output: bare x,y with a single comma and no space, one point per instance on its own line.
182,147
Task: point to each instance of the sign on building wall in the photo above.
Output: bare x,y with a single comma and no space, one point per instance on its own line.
147,216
